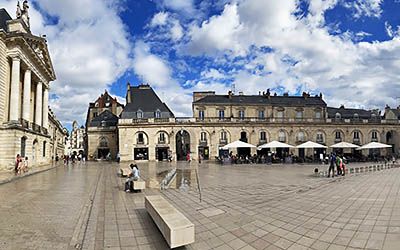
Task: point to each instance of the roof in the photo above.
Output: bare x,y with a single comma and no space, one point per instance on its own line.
287,101
4,17
106,118
347,113
144,99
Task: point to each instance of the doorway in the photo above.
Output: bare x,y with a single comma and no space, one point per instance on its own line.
182,145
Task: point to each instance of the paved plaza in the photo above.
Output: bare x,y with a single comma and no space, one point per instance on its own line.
241,207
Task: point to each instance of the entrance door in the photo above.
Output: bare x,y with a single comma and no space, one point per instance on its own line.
102,153
162,154
205,152
182,145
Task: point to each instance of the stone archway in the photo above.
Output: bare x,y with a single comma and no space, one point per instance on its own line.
182,145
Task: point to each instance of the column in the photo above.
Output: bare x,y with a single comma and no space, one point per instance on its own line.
26,102
38,111
46,108
14,96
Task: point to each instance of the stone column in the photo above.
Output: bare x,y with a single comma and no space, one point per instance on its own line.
14,96
38,111
26,104
46,108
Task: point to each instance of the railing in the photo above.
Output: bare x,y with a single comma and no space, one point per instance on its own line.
338,140
223,141
161,141
202,142
260,119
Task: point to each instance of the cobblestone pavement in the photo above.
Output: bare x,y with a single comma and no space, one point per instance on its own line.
242,207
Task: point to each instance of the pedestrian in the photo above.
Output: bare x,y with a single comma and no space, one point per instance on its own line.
26,164
188,157
343,166
332,166
17,160
118,157
338,166
200,157
20,166
133,176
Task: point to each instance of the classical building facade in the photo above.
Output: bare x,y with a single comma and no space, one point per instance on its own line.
256,119
58,137
25,74
77,139
101,127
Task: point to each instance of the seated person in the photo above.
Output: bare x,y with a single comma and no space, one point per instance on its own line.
133,176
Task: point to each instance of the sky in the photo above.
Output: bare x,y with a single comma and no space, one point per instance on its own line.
347,49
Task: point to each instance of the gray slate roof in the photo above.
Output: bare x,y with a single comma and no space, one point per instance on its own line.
286,101
147,101
106,118
4,17
347,113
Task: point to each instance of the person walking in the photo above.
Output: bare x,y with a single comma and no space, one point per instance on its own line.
338,165
17,161
26,165
332,166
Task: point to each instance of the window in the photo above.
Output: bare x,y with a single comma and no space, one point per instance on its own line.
282,136
23,146
261,114
94,114
139,114
223,136
221,114
299,115
103,142
157,114
318,115
338,116
44,149
203,136
356,135
320,137
280,114
241,114
263,136
140,138
374,136
301,136
356,116
201,115
161,138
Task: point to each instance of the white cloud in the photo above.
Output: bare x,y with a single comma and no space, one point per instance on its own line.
213,74
176,30
89,47
159,19
368,8
185,6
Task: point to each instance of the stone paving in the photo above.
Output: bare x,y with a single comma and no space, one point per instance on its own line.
242,207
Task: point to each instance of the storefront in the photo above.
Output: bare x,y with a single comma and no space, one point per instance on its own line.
141,154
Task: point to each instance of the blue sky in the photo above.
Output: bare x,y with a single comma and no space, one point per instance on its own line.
348,50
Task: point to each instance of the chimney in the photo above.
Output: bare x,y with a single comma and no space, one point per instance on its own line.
286,94
128,94
230,94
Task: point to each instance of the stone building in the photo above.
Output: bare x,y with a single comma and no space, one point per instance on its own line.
25,74
256,119
58,136
101,127
77,139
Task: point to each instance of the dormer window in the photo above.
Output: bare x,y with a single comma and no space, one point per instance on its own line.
338,116
356,116
139,114
157,114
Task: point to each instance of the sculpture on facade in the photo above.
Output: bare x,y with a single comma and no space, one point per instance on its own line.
23,13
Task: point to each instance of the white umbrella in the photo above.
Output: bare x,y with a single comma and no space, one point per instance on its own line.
373,145
344,145
275,144
311,144
238,144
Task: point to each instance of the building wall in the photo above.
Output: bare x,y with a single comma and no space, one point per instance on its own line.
3,80
128,132
94,136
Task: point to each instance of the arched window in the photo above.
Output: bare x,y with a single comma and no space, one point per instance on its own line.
320,137
338,136
157,114
356,116
263,136
140,138
139,114
161,138
103,142
338,116
374,136
301,136
282,136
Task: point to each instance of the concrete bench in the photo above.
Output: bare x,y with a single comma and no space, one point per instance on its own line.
139,185
174,226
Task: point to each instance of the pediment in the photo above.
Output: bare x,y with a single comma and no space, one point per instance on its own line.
39,46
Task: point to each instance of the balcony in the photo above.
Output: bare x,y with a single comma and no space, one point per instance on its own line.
223,141
161,141
356,140
262,141
337,140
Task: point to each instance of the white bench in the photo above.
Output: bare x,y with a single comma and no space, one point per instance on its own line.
139,185
174,226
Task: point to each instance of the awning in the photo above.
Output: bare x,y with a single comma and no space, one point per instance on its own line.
238,144
344,145
311,144
275,144
373,145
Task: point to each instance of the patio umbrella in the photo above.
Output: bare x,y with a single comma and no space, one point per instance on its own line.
238,144
373,145
311,144
344,145
275,144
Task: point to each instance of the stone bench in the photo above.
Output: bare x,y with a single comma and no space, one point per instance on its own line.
174,226
139,185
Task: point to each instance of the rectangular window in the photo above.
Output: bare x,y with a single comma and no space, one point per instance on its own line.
280,114
356,135
221,114
140,138
162,138
338,135
261,114
203,136
44,149
263,136
318,115
241,114
299,114
201,114
223,135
